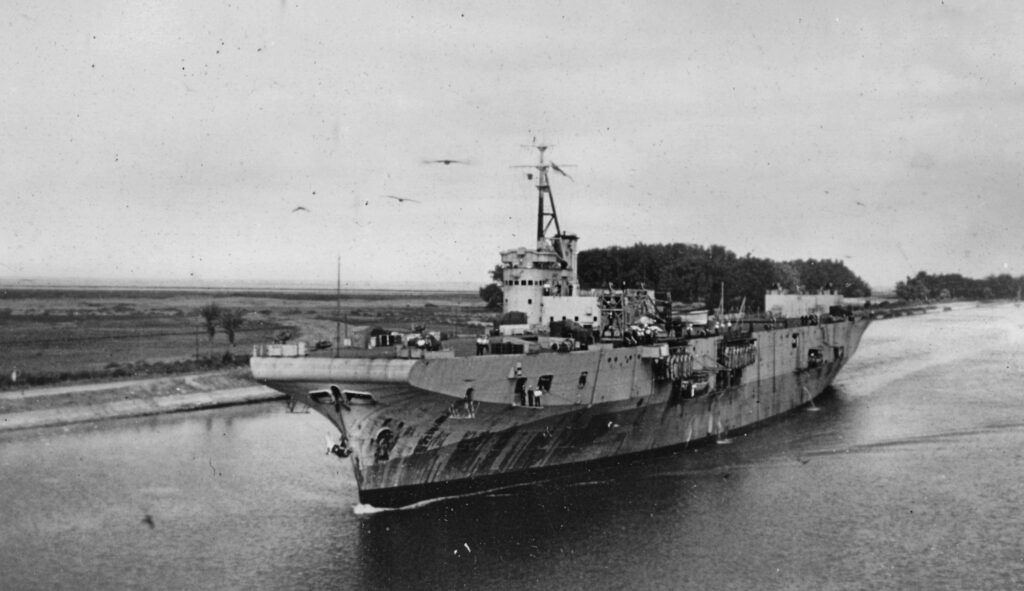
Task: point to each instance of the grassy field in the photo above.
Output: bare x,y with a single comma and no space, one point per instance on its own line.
57,335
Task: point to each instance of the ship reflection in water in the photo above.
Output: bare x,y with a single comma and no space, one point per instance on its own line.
908,476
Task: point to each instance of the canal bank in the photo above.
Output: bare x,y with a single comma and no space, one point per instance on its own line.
64,405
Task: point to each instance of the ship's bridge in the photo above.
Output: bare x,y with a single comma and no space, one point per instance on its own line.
542,284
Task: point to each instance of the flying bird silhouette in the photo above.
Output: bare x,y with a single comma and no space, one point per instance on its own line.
148,520
300,208
402,199
446,161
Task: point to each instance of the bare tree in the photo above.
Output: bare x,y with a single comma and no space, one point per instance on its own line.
211,313
231,320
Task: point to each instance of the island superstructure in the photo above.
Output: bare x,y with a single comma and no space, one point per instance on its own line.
569,378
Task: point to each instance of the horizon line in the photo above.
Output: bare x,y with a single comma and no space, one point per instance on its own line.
245,284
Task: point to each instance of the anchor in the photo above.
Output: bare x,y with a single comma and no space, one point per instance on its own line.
340,449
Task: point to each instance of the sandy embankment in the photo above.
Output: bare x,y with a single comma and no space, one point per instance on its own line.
63,405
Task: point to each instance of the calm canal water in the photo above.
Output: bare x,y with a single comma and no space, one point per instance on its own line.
910,475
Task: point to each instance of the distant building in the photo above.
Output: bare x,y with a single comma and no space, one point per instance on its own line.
792,305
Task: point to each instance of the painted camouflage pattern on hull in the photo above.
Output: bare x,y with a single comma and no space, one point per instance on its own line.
414,433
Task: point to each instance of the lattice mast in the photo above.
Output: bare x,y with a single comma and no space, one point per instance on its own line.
547,215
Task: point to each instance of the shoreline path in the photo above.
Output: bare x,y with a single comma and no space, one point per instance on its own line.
76,403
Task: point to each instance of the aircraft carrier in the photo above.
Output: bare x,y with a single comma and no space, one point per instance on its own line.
571,378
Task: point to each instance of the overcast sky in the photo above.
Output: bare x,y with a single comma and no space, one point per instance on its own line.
172,140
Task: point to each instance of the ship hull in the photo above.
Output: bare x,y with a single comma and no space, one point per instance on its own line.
415,433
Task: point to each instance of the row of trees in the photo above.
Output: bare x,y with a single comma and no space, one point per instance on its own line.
695,274
924,287
228,319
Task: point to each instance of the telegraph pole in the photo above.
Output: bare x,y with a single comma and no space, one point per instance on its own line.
337,314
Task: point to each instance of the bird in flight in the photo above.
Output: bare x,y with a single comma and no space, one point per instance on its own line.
402,199
446,161
300,208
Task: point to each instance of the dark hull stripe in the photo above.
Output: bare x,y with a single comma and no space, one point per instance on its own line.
404,496
435,452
